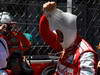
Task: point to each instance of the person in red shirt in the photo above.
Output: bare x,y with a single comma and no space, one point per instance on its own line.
16,41
59,30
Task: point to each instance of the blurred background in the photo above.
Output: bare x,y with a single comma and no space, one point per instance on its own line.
27,14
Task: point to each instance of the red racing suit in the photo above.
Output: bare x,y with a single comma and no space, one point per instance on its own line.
78,59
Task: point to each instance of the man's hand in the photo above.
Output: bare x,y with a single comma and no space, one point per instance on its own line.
49,6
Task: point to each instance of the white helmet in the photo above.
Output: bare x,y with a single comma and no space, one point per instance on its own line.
5,17
66,23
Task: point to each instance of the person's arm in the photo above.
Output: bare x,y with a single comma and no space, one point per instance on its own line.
47,35
46,32
88,64
62,21
4,53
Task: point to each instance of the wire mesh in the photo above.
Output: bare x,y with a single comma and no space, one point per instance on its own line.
27,13
88,13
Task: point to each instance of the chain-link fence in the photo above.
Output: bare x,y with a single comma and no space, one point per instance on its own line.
28,12
88,22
